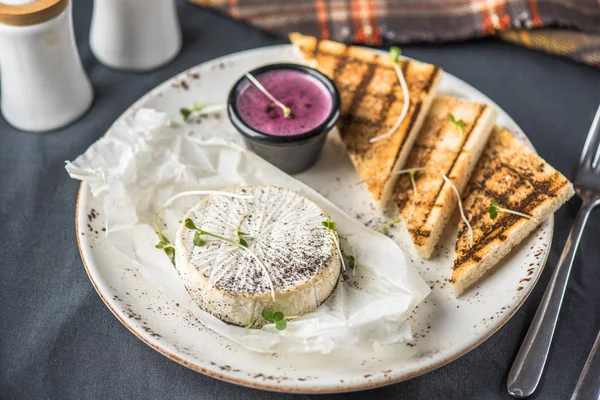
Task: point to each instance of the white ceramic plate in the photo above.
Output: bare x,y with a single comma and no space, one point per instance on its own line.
445,328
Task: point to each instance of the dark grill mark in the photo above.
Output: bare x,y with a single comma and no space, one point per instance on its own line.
361,90
427,87
344,61
317,49
420,232
377,125
540,193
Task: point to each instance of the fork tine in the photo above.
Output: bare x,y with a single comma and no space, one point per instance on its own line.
596,162
591,151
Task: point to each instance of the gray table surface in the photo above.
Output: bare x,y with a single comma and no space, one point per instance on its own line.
59,341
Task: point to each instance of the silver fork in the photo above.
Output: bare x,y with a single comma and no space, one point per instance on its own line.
528,366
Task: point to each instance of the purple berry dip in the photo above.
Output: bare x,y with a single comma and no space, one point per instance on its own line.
291,143
309,100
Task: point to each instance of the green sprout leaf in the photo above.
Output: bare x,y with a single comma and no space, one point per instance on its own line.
329,224
238,233
198,240
395,53
164,244
276,317
267,314
185,113
383,228
460,124
199,232
281,324
493,209
190,224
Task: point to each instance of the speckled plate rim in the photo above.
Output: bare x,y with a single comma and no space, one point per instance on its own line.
283,387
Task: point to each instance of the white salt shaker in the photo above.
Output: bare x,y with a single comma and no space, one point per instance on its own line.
135,35
44,85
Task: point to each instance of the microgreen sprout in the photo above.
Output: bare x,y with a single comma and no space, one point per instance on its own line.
445,178
164,243
200,109
239,234
495,208
385,226
330,224
286,110
395,55
411,174
198,241
251,324
460,208
275,317
200,232
460,124
350,259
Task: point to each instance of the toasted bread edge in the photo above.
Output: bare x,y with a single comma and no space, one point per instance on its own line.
476,271
388,187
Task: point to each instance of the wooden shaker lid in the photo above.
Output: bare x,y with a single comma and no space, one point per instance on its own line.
32,13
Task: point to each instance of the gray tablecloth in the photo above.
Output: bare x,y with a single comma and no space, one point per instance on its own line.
59,341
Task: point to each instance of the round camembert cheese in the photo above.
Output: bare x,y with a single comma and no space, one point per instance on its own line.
290,264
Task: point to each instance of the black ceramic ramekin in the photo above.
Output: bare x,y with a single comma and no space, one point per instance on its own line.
292,154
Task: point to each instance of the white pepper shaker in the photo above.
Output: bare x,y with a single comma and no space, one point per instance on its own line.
136,35
44,85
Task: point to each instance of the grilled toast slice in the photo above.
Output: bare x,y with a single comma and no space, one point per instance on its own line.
519,180
372,101
442,146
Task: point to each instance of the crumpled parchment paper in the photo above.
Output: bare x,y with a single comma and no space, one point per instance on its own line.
145,160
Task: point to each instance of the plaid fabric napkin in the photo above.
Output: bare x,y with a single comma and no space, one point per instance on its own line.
372,22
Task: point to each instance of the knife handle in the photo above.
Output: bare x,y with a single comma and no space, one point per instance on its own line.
588,386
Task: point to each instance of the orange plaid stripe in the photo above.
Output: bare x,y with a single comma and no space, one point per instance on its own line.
375,38
233,8
321,8
503,17
535,13
355,15
404,21
487,24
